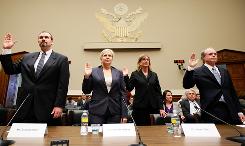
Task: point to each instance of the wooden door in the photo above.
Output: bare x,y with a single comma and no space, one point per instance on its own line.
4,78
235,63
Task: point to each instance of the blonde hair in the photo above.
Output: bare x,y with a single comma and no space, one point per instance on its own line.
141,57
106,50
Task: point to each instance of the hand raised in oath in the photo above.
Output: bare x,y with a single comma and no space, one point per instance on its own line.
193,61
87,70
8,42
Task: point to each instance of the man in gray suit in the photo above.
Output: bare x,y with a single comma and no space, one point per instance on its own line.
45,79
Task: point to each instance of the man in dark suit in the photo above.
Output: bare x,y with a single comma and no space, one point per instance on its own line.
217,93
108,91
188,106
45,79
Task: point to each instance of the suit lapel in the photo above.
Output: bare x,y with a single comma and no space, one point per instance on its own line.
102,78
210,74
31,63
149,75
143,76
222,74
114,76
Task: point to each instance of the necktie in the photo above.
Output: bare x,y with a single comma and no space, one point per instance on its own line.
216,75
40,64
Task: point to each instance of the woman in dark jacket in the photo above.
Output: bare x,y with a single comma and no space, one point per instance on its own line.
148,96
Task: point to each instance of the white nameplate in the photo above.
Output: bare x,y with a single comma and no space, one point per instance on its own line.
200,130
25,130
126,129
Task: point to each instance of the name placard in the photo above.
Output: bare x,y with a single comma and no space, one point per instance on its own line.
200,130
26,130
125,129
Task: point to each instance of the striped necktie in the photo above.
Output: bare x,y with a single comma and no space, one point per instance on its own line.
40,64
216,75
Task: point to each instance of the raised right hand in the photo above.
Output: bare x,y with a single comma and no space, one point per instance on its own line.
8,42
125,71
87,70
193,61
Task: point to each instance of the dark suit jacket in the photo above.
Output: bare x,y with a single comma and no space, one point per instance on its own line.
185,106
102,99
210,90
148,93
45,92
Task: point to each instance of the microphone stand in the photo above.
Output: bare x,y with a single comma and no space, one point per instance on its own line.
136,128
239,139
10,142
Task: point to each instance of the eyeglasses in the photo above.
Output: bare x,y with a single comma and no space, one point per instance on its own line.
211,54
46,37
145,59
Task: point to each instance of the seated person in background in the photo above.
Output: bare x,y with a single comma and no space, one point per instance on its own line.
83,102
169,106
70,102
130,109
192,115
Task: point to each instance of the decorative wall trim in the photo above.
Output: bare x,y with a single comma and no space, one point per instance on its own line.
119,45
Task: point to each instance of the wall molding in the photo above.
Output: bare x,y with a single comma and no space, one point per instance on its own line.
122,45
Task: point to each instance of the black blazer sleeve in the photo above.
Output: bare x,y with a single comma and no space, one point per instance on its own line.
87,85
188,80
130,82
124,112
9,66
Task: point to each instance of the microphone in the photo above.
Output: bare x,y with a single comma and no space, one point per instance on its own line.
136,128
10,142
239,139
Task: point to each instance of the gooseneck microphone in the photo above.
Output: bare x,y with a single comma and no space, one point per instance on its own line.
10,142
136,128
239,139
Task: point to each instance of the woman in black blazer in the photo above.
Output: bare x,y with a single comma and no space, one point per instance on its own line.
148,96
108,90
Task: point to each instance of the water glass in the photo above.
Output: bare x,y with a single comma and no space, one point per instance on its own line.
95,128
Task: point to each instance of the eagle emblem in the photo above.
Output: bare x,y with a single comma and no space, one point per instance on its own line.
120,26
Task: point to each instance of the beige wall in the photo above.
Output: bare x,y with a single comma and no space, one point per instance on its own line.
182,26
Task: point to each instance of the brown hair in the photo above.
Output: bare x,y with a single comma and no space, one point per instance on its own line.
164,93
48,33
141,57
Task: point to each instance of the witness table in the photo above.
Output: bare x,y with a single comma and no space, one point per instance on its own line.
151,135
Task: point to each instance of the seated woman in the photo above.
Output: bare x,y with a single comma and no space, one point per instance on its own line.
169,106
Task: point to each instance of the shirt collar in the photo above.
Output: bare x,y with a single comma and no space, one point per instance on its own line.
210,67
47,52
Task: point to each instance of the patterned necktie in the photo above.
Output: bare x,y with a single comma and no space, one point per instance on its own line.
216,75
40,64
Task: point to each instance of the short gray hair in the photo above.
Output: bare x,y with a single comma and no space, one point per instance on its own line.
203,53
188,90
106,50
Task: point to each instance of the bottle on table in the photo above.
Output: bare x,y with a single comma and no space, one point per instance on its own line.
84,123
175,120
